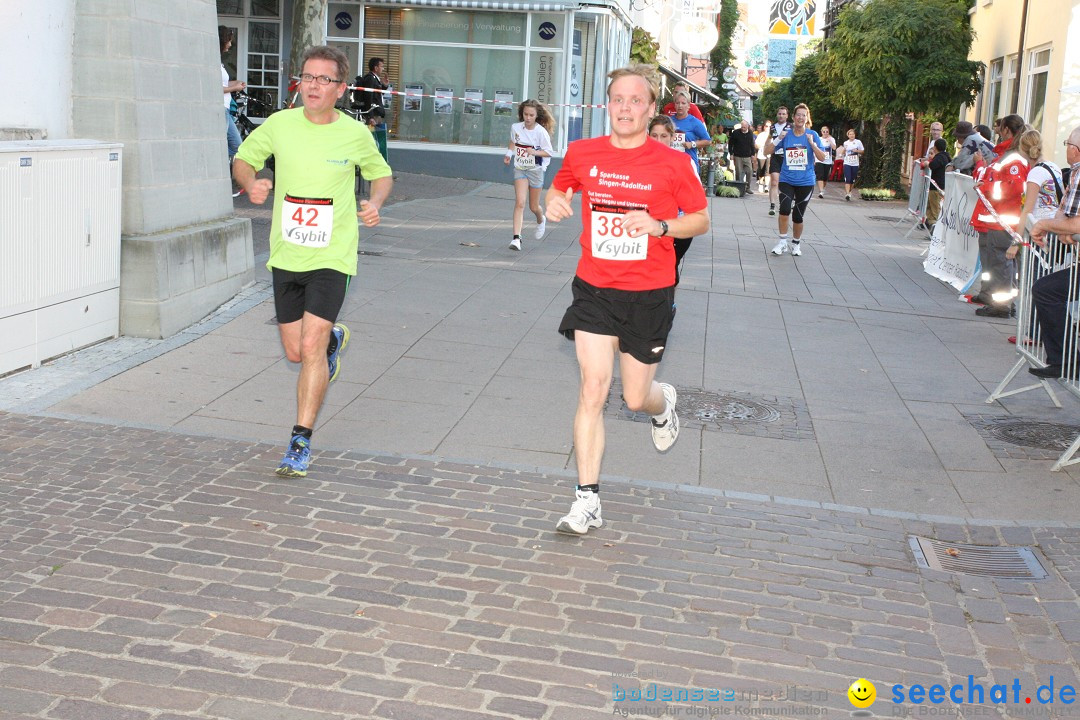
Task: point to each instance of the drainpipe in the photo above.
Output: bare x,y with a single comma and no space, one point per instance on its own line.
1015,101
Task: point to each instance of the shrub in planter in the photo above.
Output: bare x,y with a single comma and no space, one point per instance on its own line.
879,194
727,191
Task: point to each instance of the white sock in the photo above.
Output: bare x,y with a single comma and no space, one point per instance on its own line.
784,237
662,417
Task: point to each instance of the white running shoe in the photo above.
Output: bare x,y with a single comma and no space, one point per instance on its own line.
781,247
515,244
821,195
584,514
541,229
666,433
796,249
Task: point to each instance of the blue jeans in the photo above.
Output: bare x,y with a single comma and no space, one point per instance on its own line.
232,135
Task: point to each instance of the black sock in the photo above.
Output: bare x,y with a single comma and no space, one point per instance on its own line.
591,488
517,237
302,431
331,347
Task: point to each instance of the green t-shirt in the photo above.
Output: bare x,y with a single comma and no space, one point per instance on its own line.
314,223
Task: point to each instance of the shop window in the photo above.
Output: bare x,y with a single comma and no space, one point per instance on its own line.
264,8
446,26
263,63
230,7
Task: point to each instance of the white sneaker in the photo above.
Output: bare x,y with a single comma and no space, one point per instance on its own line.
781,247
666,433
821,195
515,244
541,229
584,514
848,197
796,249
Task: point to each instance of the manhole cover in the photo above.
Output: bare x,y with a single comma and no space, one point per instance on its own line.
736,412
1043,435
885,218
1012,436
1015,563
713,407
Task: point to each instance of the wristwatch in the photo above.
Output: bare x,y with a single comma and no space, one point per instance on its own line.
663,228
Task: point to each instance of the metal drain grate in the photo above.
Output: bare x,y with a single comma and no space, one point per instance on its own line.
1021,437
732,412
1014,563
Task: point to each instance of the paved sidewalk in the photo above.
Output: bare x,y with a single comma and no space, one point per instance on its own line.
846,377
145,579
153,568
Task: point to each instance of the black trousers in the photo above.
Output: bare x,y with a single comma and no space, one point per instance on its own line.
1051,297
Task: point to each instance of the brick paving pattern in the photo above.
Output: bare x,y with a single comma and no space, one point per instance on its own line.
146,578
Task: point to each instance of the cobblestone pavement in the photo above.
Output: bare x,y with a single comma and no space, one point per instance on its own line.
146,578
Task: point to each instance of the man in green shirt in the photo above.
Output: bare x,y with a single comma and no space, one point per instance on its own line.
314,233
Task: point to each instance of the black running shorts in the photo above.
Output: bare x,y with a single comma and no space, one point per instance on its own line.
822,171
794,199
319,292
641,319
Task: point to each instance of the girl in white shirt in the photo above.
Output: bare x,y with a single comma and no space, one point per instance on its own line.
530,143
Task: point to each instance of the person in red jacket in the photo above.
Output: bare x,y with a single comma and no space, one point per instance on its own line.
669,109
1001,187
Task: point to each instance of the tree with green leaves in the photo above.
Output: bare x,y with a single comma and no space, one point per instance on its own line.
891,57
721,55
643,48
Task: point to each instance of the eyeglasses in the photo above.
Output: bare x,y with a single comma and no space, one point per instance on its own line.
320,79
1069,144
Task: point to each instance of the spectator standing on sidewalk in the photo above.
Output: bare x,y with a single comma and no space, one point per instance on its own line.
975,149
530,144
232,133
1001,186
741,145
313,235
822,168
1051,293
633,190
938,160
371,83
796,186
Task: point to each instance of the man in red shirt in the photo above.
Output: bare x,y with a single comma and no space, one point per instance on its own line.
669,109
637,195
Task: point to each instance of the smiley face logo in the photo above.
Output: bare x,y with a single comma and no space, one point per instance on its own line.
862,693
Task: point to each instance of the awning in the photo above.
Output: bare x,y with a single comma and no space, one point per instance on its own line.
679,77
535,6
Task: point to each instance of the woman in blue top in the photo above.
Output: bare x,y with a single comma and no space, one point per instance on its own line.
690,133
800,146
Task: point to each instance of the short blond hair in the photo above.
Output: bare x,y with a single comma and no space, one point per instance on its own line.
645,72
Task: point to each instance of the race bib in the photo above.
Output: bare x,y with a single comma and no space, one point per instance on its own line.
678,141
796,157
307,221
609,240
522,159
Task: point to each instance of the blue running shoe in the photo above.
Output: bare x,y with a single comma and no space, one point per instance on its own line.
296,460
339,339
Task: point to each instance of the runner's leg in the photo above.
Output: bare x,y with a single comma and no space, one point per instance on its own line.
596,360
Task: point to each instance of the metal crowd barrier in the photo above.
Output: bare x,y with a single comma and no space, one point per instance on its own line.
917,198
1036,263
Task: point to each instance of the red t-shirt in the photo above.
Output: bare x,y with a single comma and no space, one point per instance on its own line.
652,177
669,109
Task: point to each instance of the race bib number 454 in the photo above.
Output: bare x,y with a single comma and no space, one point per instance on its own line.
307,221
610,241
796,158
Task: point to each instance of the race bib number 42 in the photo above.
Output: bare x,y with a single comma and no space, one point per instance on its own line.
307,221
796,158
522,159
610,241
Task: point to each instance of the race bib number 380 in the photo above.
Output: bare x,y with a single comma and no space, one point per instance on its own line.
307,221
610,241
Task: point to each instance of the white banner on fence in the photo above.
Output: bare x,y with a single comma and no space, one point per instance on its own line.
954,246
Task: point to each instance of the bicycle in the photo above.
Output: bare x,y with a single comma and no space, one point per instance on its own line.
243,123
